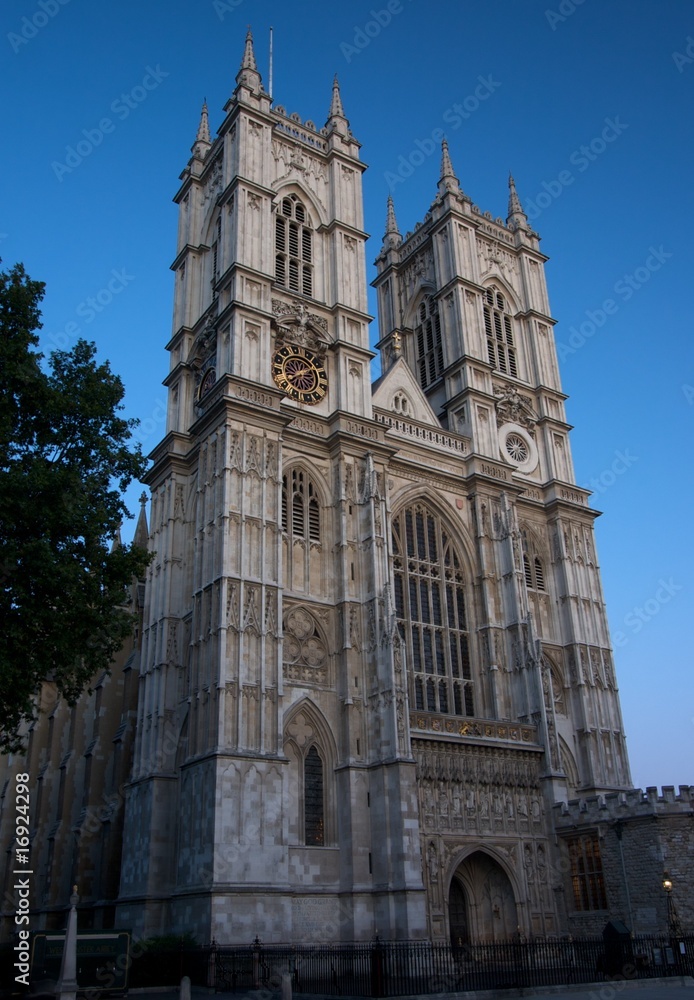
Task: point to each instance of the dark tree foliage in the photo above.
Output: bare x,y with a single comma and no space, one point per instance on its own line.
65,460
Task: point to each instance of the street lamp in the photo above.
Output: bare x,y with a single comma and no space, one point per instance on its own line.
672,921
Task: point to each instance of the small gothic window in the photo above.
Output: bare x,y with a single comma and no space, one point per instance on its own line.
539,575
428,341
300,507
498,328
294,247
401,403
557,690
314,819
527,571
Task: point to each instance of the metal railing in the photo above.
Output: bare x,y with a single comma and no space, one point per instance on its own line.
388,969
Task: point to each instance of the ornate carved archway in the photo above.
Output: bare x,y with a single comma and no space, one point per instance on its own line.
481,901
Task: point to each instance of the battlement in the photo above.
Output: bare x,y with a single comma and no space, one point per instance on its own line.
632,804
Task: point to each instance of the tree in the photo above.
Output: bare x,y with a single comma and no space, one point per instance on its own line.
65,460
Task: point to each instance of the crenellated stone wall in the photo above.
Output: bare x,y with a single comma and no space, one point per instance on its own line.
641,835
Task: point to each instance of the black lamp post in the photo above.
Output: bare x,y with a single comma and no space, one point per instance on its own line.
673,923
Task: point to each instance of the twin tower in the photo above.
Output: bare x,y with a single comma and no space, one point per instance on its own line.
374,650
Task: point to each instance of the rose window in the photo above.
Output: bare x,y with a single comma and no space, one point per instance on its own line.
517,448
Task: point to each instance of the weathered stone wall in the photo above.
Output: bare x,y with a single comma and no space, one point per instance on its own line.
78,760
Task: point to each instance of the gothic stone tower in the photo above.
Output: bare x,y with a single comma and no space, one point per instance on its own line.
374,650
467,348
273,787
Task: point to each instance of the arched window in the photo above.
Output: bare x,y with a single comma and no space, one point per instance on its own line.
314,817
293,246
300,507
430,608
428,340
498,327
401,404
311,754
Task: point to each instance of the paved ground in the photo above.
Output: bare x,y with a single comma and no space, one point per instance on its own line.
676,988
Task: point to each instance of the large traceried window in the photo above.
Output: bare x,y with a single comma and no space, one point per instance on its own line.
428,340
498,327
587,879
430,607
294,246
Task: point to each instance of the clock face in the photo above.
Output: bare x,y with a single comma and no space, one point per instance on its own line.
208,381
300,374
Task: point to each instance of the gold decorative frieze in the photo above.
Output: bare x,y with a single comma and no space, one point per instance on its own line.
482,729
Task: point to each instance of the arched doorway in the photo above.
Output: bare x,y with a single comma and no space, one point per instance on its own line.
457,913
481,901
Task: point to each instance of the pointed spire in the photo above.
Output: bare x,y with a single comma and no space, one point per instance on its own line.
204,126
516,216
202,139
392,237
391,221
248,61
117,542
141,531
248,74
448,180
337,122
336,109
446,165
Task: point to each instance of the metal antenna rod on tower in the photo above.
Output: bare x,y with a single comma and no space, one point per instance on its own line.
270,74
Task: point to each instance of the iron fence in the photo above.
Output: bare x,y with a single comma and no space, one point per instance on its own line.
393,969
389,969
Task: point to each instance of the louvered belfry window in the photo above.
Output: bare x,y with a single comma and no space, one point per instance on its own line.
498,328
431,613
534,573
300,507
428,341
294,247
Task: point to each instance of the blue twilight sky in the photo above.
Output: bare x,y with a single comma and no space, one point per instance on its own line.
588,103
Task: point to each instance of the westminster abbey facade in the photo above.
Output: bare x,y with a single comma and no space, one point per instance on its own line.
372,689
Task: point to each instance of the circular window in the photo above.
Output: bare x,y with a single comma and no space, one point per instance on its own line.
517,448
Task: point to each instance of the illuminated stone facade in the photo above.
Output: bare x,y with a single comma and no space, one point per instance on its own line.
374,649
